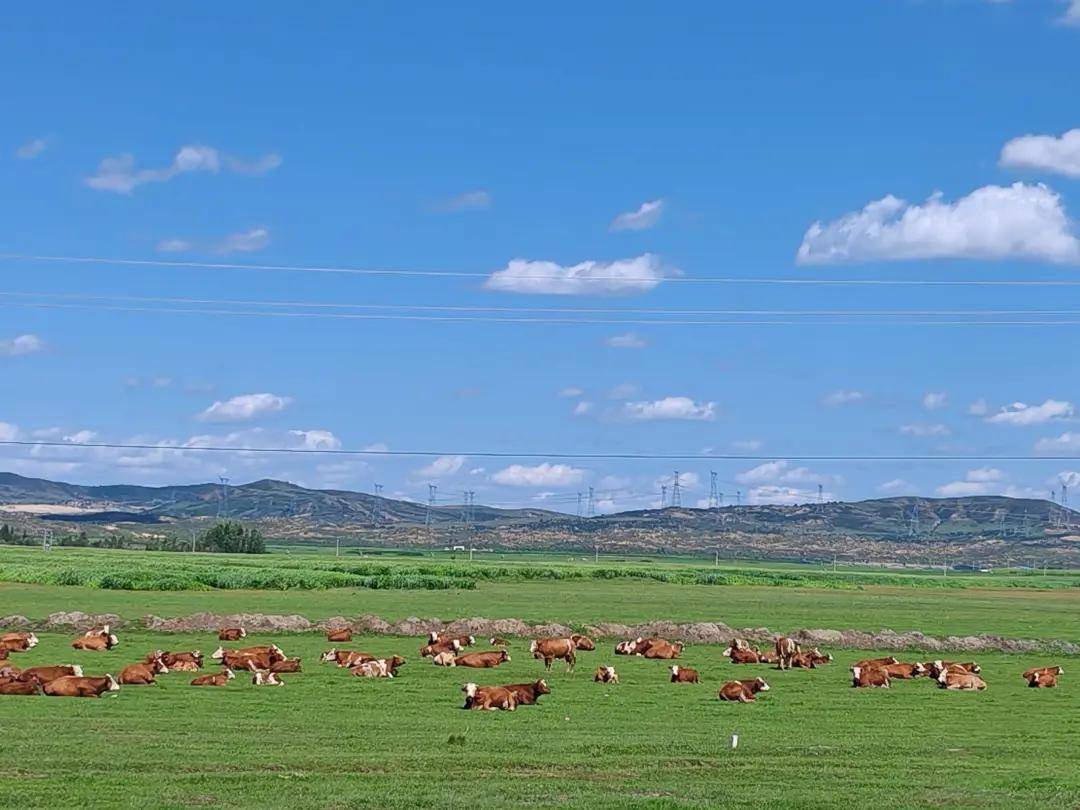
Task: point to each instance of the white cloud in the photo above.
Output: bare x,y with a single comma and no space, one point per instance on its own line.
9,432
747,445
978,408
464,202
31,149
981,481
1022,414
935,400
1067,442
635,275
583,408
923,430
23,344
542,475
571,392
120,175
245,241
377,447
174,246
842,397
993,222
645,217
986,475
317,439
670,408
897,486
1045,152
1069,478
627,340
1072,14
687,480
244,407
785,496
441,467
782,472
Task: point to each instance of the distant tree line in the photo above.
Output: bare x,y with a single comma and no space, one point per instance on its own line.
225,538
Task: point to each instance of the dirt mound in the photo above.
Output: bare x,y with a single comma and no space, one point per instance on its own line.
79,621
212,622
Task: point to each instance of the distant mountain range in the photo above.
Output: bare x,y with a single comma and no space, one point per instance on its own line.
893,530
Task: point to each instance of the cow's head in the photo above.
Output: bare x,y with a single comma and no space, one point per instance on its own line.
329,655
112,640
229,674
433,637
610,671
218,654
678,647
727,652
113,685
470,690
943,676
77,670
761,685
472,639
158,666
675,670
31,640
582,642
243,633
456,645
856,674
918,668
504,655
395,661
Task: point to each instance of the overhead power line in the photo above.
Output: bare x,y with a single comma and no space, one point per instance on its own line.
380,271
532,453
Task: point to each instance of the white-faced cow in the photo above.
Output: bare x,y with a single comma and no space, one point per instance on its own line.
605,675
742,691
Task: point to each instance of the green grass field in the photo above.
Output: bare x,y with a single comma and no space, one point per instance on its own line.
327,739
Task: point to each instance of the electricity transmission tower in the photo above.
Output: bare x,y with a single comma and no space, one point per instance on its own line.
223,498
592,503
676,492
432,490
375,506
663,496
714,492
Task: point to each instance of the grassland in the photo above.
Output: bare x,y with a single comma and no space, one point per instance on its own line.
327,739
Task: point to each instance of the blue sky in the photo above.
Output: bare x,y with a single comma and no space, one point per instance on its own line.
895,140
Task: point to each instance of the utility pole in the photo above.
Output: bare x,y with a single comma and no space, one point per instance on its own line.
676,492
192,541
820,495
580,496
738,497
337,545
663,496
46,540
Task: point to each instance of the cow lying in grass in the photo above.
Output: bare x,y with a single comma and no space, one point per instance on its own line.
1042,677
179,661
960,680
231,634
866,677
445,659
96,640
489,697
143,674
905,672
13,686
482,660
339,635
684,675
288,665
17,642
605,675
526,694
214,679
262,677
434,648
446,638
379,667
743,691
50,673
75,686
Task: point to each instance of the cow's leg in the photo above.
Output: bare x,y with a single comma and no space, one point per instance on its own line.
570,661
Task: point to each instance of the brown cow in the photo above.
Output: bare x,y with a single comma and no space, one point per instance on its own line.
1042,677
18,642
288,665
212,679
482,660
683,675
527,694
935,668
642,645
786,649
271,651
905,672
142,674
583,642
9,671
861,677
46,674
960,680
95,643
433,649
346,658
379,667
810,659
744,655
488,697
183,661
626,647
876,663
743,691
736,644
15,687
263,677
339,634
551,649
232,659
231,634
663,649
606,675
444,659
75,686
446,638
767,656
498,641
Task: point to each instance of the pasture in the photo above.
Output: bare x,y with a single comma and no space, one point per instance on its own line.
328,739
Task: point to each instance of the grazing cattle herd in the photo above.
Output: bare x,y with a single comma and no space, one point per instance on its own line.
266,662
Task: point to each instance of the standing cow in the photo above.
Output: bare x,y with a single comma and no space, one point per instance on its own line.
786,650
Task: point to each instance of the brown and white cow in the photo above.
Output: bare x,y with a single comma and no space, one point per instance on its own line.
626,647
376,668
263,677
445,659
786,650
339,634
214,679
960,680
498,641
684,675
17,687
767,656
451,646
905,672
182,661
605,675
271,651
663,650
50,673
743,691
488,697
231,633
18,642
1042,677
935,668
143,674
876,663
553,649
527,694
100,642
76,686
583,643
862,677
235,659
446,638
482,660
288,665
745,655
642,645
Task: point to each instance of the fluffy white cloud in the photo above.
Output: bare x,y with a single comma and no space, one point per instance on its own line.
1072,14
923,430
1067,442
687,480
1045,152
670,408
31,149
23,344
897,486
244,407
317,439
934,400
978,408
636,275
542,475
842,397
785,496
245,241
782,472
464,202
1020,413
645,217
986,475
441,467
583,408
981,481
119,174
570,392
627,340
993,222
9,432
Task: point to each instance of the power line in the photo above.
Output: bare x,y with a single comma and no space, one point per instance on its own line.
531,453
379,271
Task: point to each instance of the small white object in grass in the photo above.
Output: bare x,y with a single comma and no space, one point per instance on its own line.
734,741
